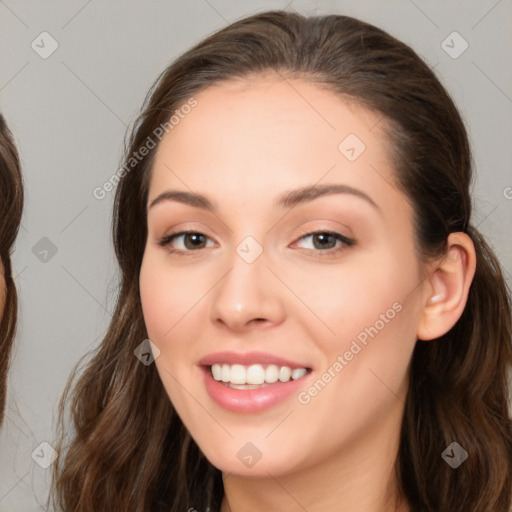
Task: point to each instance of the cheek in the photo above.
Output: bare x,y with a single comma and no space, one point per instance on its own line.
368,319
153,300
171,305
165,303
346,299
165,295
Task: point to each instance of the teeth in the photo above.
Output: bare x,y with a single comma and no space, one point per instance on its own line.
255,374
298,373
285,373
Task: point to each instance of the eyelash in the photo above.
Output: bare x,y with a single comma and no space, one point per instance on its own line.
347,242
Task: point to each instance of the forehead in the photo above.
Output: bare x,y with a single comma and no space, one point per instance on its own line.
253,136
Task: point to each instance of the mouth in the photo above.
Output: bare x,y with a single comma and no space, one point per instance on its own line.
251,382
254,376
253,388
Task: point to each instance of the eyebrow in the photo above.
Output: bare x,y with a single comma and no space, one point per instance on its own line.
289,199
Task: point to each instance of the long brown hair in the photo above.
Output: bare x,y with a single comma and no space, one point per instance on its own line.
11,206
128,449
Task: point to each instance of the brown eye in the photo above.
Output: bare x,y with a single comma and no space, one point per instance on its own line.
191,241
325,241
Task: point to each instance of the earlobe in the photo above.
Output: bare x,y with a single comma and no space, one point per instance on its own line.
448,287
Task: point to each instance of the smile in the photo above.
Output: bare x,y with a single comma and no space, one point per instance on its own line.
253,398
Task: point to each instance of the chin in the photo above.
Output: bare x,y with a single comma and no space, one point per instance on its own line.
248,460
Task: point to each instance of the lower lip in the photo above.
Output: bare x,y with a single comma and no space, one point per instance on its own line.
250,400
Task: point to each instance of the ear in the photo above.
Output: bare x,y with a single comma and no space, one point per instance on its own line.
448,287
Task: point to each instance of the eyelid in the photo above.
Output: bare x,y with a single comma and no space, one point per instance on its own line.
185,228
324,229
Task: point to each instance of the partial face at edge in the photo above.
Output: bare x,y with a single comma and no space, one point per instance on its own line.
306,298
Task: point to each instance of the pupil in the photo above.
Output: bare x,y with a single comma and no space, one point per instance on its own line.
196,237
323,237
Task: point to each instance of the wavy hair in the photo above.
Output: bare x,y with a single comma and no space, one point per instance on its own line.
128,449
11,207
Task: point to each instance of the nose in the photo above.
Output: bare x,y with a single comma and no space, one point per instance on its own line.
249,296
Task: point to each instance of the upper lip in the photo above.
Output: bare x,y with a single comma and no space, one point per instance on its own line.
248,358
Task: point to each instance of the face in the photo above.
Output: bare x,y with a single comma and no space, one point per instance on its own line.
327,283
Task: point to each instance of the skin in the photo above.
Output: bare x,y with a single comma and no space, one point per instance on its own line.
242,146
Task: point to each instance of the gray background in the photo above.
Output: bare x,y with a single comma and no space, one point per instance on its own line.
69,114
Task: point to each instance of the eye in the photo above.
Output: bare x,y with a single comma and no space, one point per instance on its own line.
326,242
195,238
322,242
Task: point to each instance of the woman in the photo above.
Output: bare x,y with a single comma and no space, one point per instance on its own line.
290,374
11,206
